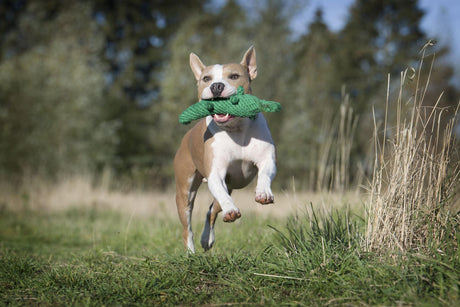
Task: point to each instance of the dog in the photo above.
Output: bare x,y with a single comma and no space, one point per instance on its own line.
225,151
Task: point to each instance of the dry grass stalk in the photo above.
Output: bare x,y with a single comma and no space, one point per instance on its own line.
412,183
333,161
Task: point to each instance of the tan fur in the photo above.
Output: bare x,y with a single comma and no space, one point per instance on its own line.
229,69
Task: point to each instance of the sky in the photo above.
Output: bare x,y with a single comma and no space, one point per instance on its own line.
438,13
440,21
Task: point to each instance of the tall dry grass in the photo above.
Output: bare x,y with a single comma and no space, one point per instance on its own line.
414,174
332,167
79,191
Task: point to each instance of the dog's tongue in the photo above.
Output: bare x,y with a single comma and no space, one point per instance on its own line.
222,118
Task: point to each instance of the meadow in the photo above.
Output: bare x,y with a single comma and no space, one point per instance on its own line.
393,242
109,248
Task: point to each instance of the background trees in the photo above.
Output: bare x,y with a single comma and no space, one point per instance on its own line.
52,93
92,85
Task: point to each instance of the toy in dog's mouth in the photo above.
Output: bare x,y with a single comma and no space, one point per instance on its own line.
225,109
222,118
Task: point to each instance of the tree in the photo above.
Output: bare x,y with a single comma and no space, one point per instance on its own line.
137,34
51,86
380,37
312,104
137,51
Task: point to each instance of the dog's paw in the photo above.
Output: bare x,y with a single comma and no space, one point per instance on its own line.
231,216
206,243
265,198
207,238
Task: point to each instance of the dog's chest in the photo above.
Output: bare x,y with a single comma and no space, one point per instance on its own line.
238,162
238,153
234,147
242,144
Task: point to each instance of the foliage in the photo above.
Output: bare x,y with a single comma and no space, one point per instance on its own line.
137,35
122,68
313,75
51,97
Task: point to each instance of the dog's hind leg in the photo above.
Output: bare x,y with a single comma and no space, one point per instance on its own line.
207,238
185,198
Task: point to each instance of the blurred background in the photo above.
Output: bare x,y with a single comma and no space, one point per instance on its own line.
95,88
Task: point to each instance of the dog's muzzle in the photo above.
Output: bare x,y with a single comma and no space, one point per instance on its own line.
217,89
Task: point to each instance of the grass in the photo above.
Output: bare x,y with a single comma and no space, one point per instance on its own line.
415,175
105,257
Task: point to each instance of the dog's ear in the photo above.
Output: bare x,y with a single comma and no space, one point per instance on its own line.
196,65
249,60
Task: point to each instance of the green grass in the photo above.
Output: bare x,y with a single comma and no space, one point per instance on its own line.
101,257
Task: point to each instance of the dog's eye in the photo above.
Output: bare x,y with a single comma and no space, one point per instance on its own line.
206,79
234,76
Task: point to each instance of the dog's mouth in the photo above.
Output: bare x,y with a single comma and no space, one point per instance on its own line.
222,118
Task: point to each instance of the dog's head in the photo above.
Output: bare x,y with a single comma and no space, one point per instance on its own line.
221,81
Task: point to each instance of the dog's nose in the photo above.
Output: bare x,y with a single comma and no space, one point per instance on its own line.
217,88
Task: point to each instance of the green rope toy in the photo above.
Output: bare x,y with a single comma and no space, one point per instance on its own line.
239,105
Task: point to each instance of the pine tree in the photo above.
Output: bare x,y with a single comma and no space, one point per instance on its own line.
380,37
312,104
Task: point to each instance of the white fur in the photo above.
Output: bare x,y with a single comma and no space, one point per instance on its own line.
217,73
190,244
246,151
191,199
240,154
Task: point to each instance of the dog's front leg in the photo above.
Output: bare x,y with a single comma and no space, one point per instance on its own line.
218,188
267,171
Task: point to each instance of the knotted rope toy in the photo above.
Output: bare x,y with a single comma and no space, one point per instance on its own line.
239,105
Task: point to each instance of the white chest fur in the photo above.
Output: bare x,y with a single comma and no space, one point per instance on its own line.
239,153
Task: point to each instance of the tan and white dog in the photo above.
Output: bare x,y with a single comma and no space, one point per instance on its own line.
226,151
